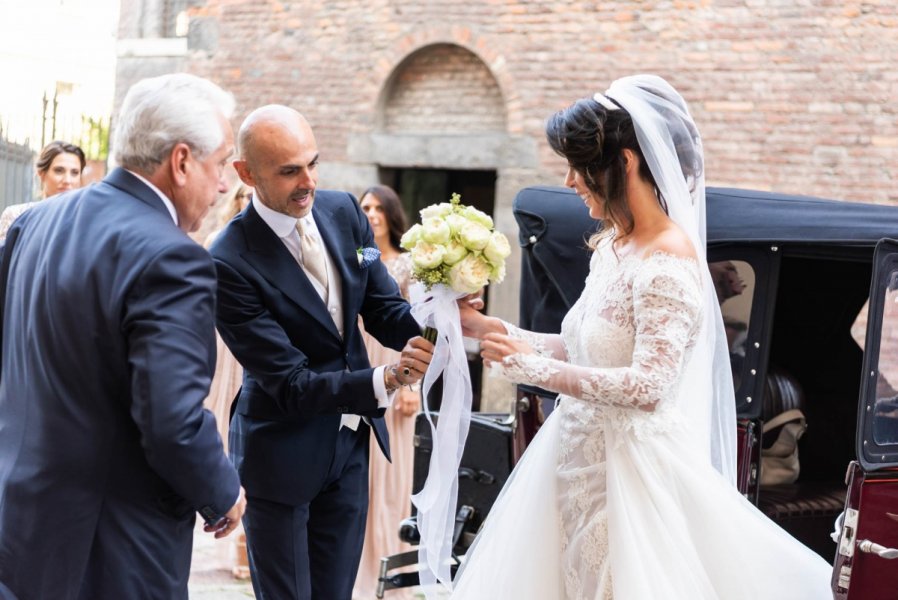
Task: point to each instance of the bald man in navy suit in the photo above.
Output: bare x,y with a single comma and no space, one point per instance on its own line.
293,281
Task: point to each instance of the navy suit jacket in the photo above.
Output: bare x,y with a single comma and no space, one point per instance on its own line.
108,349
300,376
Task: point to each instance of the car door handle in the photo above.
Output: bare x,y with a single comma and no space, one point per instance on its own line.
874,548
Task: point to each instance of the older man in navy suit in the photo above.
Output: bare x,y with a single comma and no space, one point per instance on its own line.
108,349
294,277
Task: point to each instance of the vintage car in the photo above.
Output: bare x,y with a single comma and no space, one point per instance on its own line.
809,297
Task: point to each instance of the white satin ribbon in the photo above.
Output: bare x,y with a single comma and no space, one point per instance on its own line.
436,502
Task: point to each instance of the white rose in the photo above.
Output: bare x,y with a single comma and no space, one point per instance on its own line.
474,236
497,249
410,237
435,231
455,251
498,273
426,255
436,211
478,216
455,222
470,274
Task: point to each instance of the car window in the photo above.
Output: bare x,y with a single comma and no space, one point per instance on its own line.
885,417
734,281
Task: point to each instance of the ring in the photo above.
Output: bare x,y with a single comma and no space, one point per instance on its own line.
406,371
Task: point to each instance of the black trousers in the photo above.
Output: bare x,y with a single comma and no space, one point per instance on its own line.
311,551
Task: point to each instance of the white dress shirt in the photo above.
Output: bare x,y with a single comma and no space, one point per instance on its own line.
284,226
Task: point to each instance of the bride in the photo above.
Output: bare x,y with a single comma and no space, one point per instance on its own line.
627,491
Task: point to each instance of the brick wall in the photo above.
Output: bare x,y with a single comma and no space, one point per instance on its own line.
796,97
443,89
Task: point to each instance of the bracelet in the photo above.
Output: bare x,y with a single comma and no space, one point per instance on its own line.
396,385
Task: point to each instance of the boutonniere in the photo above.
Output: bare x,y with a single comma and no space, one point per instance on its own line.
367,256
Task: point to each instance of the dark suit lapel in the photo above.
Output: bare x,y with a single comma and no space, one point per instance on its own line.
268,255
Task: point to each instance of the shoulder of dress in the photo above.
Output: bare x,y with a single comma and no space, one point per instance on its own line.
668,272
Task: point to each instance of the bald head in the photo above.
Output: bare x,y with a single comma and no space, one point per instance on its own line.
267,121
279,159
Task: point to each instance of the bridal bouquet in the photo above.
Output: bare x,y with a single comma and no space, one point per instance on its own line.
457,246
455,251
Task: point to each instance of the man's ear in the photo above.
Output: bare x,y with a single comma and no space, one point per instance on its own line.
244,173
177,162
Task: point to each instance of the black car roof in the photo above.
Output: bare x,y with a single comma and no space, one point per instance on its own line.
749,216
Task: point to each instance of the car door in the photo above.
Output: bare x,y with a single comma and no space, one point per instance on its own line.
747,311
866,565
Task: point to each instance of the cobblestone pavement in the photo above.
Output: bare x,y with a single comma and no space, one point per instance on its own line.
210,570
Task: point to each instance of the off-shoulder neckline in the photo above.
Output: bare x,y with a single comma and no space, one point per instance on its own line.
659,254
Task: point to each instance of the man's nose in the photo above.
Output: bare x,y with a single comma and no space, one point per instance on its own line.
306,179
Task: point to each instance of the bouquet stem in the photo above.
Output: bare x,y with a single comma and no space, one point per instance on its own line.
430,334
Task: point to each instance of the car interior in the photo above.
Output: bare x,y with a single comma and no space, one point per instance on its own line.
815,365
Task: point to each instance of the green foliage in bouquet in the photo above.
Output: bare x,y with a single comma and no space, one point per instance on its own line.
457,246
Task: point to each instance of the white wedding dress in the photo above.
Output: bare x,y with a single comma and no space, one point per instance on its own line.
615,498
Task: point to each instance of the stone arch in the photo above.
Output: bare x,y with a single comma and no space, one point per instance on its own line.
441,88
480,46
441,106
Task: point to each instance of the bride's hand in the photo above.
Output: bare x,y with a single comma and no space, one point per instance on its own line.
496,346
475,324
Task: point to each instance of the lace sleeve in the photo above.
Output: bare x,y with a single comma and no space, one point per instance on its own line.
666,310
548,345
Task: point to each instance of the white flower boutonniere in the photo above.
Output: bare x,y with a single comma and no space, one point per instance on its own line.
367,256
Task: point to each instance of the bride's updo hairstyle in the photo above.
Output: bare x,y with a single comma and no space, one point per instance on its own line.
592,139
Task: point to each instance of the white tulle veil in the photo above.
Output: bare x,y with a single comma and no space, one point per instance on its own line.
672,147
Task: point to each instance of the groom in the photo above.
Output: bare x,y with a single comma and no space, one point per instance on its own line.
293,282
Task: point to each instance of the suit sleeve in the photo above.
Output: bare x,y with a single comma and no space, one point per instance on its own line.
168,322
387,315
261,345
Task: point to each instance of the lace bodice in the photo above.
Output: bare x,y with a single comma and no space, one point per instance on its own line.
626,339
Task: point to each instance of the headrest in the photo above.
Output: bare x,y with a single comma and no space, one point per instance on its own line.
782,392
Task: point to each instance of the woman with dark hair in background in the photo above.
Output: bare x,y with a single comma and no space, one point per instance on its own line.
59,168
390,485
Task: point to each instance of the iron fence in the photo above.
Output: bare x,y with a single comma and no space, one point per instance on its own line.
23,136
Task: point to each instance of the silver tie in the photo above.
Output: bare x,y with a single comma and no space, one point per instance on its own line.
312,257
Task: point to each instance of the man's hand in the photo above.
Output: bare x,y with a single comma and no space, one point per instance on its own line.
228,523
415,359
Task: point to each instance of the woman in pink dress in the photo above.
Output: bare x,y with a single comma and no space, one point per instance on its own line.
390,485
228,377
